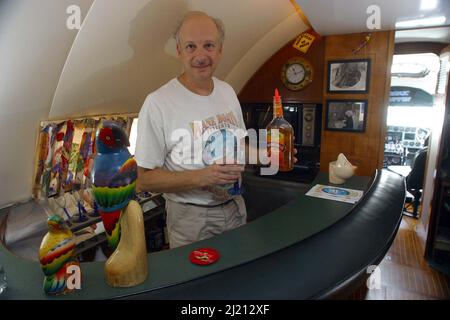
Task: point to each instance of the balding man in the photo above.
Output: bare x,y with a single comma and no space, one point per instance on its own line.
193,107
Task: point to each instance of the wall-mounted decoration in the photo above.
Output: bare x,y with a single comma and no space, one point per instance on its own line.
297,73
363,44
65,154
346,115
348,76
305,40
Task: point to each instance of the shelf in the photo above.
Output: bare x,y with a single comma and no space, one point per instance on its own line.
90,243
144,202
101,238
75,226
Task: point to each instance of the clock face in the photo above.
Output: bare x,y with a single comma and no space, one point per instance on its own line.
297,73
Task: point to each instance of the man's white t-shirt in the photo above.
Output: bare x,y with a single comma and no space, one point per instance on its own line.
174,123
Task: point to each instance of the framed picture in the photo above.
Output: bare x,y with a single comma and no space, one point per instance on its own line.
346,115
348,76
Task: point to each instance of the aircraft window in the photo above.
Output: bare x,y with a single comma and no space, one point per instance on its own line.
133,136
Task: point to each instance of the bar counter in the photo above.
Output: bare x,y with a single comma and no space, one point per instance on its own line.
309,248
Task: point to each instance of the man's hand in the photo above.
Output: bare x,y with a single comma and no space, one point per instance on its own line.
219,174
294,158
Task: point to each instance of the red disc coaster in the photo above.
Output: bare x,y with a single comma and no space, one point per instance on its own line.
204,256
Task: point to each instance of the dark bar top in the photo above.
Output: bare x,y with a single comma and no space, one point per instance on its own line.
308,248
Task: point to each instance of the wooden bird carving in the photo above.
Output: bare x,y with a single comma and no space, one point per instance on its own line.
56,253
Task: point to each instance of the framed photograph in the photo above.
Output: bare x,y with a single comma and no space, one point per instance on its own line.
346,115
348,76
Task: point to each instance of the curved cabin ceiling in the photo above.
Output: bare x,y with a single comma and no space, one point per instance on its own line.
34,43
124,50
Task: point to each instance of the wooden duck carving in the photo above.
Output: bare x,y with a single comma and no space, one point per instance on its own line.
127,266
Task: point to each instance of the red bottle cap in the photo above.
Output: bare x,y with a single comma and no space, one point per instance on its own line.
277,96
204,256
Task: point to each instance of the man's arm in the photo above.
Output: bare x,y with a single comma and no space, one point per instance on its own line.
162,180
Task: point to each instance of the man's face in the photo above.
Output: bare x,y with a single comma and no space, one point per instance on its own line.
199,48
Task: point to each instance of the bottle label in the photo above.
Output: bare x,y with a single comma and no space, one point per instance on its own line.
277,148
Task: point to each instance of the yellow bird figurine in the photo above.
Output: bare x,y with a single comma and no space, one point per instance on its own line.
56,253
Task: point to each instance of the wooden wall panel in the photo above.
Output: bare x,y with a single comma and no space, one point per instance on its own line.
261,86
364,150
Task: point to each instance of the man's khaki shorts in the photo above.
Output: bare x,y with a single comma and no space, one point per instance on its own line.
187,223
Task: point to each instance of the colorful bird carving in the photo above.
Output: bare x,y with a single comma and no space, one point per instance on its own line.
56,253
113,177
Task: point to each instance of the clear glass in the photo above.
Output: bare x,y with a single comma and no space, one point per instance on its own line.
3,283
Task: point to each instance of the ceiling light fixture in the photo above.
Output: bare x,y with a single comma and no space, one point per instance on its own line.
434,21
428,4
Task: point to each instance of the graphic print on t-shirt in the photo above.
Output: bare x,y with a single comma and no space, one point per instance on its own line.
220,144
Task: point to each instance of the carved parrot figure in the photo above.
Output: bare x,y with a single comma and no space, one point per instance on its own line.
113,177
56,253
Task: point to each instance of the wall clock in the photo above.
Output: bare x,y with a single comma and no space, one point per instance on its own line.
297,73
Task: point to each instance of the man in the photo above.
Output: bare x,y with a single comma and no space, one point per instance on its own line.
349,119
196,204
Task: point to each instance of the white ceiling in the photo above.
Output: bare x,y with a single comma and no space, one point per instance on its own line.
441,34
350,16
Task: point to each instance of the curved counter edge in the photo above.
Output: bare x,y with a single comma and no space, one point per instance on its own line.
296,271
349,285
323,266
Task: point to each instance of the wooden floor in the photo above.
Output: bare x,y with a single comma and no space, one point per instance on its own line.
405,275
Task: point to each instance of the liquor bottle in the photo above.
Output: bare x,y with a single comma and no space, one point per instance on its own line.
285,146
